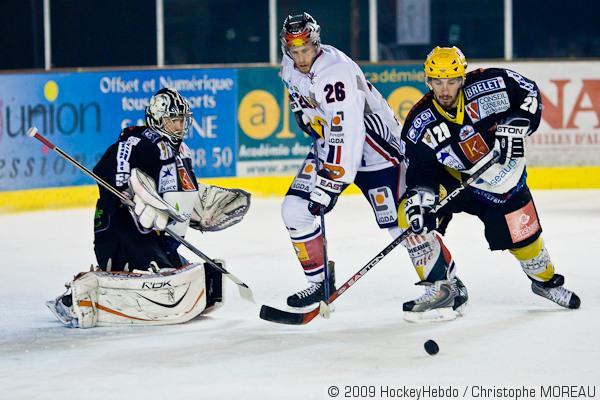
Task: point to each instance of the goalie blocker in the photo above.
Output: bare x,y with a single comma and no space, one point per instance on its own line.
102,298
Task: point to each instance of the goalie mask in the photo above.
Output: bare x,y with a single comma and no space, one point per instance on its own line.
299,30
169,114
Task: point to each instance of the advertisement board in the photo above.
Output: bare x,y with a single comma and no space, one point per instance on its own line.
270,142
83,113
569,134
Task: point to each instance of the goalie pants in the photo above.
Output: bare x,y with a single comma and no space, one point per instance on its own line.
120,246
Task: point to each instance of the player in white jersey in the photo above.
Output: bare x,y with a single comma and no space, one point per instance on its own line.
358,141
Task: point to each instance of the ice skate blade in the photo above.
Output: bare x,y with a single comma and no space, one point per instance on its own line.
436,315
462,310
69,322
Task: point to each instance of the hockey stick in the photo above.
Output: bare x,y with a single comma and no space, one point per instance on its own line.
291,318
245,291
325,310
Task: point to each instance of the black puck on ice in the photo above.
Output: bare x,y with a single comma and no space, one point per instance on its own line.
431,347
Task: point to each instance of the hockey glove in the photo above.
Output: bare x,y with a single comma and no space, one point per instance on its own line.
325,193
418,206
218,208
313,130
151,212
511,136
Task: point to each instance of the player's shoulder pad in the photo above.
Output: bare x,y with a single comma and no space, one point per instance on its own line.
142,132
516,78
420,115
147,141
483,81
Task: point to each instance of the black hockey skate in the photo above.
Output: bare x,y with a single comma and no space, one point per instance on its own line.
62,308
313,293
434,305
553,290
461,296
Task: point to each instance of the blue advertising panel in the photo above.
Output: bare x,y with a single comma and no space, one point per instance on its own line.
83,113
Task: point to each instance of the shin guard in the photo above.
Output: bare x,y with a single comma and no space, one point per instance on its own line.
308,245
535,261
430,257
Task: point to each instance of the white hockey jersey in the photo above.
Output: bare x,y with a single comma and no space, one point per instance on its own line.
360,130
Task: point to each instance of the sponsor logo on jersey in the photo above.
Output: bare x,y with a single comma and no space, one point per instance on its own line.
472,109
336,122
523,84
151,135
448,157
466,132
489,85
167,182
187,184
485,106
418,125
474,148
335,171
522,223
304,179
507,170
382,201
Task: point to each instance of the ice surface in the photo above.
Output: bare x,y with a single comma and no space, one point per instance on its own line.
509,336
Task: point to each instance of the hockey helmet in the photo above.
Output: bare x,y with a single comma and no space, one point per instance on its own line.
445,62
166,105
299,30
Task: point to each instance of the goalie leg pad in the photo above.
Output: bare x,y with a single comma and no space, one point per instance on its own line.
110,299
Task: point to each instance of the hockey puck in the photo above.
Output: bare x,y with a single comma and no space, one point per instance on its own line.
431,347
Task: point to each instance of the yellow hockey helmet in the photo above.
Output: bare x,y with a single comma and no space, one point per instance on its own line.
445,62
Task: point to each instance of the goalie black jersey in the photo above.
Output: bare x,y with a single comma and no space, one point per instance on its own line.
140,147
440,143
116,235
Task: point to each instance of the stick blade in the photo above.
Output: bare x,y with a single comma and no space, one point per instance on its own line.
285,317
246,293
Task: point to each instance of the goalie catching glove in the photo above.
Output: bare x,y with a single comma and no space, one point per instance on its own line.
214,208
218,208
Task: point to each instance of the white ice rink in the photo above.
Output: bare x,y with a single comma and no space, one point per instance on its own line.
509,337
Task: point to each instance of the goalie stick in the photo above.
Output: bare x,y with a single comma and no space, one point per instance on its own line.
245,291
292,318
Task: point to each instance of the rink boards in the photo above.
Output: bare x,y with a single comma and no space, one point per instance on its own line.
243,134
